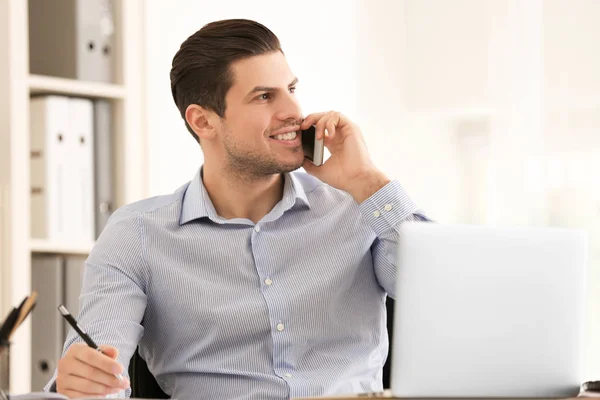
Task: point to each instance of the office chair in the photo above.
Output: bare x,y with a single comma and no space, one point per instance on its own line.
389,306
144,385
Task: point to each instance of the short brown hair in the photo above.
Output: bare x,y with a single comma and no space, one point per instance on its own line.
201,73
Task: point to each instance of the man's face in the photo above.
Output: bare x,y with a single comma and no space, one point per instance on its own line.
262,117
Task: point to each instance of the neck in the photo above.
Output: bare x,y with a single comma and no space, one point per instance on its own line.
238,195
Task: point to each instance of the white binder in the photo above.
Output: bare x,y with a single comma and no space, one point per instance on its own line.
49,124
80,189
62,169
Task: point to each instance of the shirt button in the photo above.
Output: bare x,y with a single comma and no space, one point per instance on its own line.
280,327
388,207
288,375
257,228
268,282
376,213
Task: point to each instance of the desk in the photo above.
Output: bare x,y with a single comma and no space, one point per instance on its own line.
388,395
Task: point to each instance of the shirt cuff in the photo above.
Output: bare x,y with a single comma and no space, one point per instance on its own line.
51,385
387,208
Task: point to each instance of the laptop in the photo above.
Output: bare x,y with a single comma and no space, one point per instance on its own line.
488,312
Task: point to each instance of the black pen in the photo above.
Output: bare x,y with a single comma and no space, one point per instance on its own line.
73,322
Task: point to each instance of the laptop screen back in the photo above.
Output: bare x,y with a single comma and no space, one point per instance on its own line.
488,312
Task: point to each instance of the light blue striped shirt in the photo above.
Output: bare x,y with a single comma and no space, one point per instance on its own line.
228,309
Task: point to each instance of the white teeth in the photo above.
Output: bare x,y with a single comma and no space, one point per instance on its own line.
286,136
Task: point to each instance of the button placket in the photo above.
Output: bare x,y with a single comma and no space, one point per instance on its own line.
271,295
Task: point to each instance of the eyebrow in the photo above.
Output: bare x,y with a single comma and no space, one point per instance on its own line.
270,89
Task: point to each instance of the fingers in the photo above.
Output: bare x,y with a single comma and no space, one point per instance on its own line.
93,374
85,372
99,360
330,128
110,351
329,121
311,119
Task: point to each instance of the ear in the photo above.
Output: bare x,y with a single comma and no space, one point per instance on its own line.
198,118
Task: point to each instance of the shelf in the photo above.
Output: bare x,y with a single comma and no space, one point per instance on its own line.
39,84
54,247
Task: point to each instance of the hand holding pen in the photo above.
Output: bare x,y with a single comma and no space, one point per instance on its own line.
88,370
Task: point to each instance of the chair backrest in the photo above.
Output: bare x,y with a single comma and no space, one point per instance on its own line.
144,385
387,368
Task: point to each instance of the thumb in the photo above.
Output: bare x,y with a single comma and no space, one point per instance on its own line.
310,168
110,351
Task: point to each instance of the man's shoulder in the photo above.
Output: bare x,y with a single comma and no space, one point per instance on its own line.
152,204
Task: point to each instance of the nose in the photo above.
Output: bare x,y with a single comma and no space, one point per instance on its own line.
289,108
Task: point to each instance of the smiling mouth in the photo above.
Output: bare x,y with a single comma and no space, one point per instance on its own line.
290,136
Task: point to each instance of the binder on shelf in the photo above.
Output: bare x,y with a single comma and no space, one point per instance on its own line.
49,124
57,280
73,277
62,169
79,196
103,163
72,39
47,331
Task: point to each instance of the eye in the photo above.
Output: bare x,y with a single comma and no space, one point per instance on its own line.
293,89
264,96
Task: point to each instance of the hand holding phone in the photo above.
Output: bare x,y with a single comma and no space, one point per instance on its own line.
313,149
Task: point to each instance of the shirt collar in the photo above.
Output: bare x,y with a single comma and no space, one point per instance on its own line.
197,203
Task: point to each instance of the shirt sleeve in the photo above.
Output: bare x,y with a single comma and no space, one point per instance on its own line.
113,300
385,211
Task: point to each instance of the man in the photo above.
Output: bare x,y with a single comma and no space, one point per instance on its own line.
250,281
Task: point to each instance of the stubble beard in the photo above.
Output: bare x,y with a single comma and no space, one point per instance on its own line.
253,164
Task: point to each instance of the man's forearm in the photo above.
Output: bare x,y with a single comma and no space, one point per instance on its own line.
367,185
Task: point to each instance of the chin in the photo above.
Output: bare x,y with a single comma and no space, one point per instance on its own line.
289,167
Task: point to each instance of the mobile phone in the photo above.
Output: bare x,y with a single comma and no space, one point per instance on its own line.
313,149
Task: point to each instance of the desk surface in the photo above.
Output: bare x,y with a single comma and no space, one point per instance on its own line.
389,397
